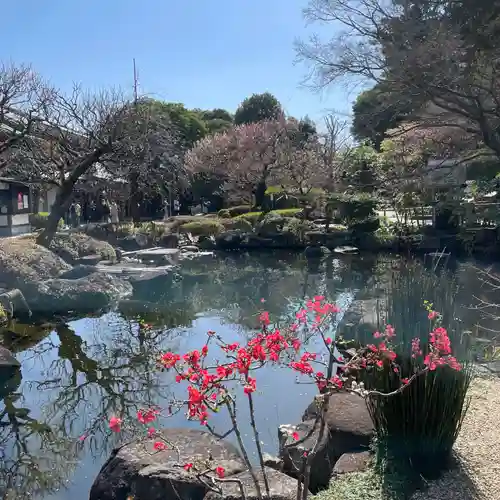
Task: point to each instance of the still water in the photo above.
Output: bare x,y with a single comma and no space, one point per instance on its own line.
53,419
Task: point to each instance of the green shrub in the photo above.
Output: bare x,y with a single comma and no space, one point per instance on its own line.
239,210
368,225
252,217
352,207
224,213
39,220
202,227
298,228
237,224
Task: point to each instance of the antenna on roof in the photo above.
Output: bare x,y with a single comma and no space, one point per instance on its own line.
135,83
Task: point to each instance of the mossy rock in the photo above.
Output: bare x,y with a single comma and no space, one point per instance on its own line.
202,227
237,224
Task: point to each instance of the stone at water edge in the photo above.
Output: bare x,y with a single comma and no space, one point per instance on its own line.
357,461
346,250
281,487
322,464
136,471
348,421
7,359
312,252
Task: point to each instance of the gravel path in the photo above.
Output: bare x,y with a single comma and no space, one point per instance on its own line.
478,447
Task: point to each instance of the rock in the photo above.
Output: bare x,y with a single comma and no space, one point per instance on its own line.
128,243
89,260
23,262
273,462
142,240
136,471
206,243
89,293
352,462
189,248
323,462
281,487
7,360
73,247
346,250
312,252
106,263
169,240
229,240
349,423
271,224
79,271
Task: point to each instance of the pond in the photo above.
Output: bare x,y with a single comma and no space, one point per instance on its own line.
54,434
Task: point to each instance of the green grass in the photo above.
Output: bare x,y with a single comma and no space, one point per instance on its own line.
369,485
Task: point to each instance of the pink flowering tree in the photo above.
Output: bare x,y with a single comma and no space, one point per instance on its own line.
210,385
247,158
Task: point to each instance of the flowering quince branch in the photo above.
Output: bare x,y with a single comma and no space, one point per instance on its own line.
208,386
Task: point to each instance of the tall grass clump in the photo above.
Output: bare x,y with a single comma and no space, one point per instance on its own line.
417,427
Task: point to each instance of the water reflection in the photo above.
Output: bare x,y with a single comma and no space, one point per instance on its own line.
53,415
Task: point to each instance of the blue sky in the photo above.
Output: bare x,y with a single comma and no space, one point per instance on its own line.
206,54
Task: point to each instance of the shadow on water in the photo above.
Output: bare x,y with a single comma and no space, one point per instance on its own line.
54,433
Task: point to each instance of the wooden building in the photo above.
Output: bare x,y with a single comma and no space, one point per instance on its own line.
15,207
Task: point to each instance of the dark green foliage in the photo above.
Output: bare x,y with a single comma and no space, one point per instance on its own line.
258,107
189,127
368,225
216,120
378,110
420,425
352,208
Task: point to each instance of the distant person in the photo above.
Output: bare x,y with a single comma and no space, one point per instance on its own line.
78,214
113,212
177,207
72,215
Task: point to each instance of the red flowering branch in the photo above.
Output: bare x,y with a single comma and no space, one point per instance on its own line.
208,385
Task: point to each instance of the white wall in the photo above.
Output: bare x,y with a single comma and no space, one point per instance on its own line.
47,200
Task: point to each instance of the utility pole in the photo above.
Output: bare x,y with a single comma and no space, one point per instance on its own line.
135,83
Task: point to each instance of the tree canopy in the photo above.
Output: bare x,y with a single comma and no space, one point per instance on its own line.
430,50
258,107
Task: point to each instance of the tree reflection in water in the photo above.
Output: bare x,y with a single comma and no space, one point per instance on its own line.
110,371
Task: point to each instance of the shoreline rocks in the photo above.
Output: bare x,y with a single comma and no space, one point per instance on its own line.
136,470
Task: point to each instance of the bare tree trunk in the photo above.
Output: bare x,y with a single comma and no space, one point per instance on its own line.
64,195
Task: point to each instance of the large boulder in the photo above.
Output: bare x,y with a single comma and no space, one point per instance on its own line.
292,456
60,296
23,262
357,461
348,421
271,224
72,247
137,471
229,240
281,487
7,360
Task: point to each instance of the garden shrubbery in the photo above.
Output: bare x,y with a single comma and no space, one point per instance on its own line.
237,224
202,227
39,220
